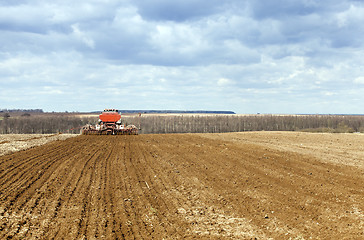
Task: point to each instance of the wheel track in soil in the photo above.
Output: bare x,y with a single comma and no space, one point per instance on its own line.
174,186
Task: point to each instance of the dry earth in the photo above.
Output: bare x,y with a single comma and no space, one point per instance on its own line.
196,186
16,142
339,148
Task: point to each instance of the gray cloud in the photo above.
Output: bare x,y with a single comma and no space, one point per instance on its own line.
164,10
246,56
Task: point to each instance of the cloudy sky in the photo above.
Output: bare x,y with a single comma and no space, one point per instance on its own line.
247,56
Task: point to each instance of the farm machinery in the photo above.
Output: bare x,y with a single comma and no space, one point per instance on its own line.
109,124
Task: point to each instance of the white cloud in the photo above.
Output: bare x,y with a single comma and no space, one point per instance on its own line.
279,57
83,36
359,80
224,82
326,93
353,15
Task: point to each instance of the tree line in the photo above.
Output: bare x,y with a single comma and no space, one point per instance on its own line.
191,123
21,110
241,123
42,124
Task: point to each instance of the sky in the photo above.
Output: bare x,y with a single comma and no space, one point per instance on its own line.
246,56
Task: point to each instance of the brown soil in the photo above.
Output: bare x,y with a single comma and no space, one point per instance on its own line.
179,186
16,142
337,148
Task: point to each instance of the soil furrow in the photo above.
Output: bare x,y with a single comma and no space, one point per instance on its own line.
178,186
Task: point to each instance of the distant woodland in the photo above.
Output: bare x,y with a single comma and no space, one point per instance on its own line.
42,124
27,123
241,123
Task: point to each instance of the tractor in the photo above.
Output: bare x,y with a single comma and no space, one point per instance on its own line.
109,124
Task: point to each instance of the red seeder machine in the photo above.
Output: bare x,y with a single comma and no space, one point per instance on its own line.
109,124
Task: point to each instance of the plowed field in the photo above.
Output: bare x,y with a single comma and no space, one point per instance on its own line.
177,186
